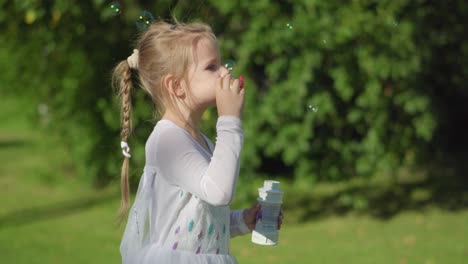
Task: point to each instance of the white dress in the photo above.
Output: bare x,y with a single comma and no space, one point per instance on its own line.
181,211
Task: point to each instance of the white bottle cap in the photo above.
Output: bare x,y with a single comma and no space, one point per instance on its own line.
271,185
270,193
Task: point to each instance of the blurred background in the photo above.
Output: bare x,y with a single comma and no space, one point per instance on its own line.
356,107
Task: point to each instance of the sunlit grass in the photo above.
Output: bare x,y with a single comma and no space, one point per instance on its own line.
431,236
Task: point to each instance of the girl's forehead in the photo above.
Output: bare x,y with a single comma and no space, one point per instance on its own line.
206,49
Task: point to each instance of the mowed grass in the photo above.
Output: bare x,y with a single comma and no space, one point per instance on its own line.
413,237
48,216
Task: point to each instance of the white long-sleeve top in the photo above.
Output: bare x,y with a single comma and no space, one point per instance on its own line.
181,212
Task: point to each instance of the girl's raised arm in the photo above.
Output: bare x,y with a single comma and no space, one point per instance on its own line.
212,181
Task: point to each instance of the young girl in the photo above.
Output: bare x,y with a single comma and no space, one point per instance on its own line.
181,211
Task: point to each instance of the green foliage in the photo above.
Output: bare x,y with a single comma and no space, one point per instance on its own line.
356,62
361,63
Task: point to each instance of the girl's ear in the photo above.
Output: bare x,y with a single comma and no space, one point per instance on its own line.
173,85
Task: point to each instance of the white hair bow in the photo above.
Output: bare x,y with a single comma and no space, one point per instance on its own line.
125,149
133,59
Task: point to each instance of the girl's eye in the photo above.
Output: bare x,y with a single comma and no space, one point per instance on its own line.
212,67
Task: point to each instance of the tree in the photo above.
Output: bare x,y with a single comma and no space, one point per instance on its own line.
334,90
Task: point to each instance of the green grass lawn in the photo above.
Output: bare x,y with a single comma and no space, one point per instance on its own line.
47,216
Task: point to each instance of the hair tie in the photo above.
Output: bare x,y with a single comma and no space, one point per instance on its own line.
125,149
133,59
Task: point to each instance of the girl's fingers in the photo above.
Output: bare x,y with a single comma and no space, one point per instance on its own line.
226,81
280,219
221,83
235,86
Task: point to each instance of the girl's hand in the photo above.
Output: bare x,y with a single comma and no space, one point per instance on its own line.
250,216
229,96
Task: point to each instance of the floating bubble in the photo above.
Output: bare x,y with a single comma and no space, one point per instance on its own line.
290,25
144,20
43,109
229,65
116,8
312,108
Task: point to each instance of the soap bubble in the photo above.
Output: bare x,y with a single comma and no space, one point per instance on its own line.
144,20
229,65
116,8
43,109
290,25
44,113
311,108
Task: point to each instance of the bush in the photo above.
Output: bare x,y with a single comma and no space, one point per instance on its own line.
360,63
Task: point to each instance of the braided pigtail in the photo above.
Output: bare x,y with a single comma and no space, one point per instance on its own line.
122,83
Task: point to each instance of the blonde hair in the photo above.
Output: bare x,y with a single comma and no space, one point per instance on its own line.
163,49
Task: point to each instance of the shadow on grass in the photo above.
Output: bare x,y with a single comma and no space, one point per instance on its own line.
4,144
31,215
445,186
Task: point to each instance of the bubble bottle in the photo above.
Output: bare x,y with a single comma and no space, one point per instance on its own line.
266,228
